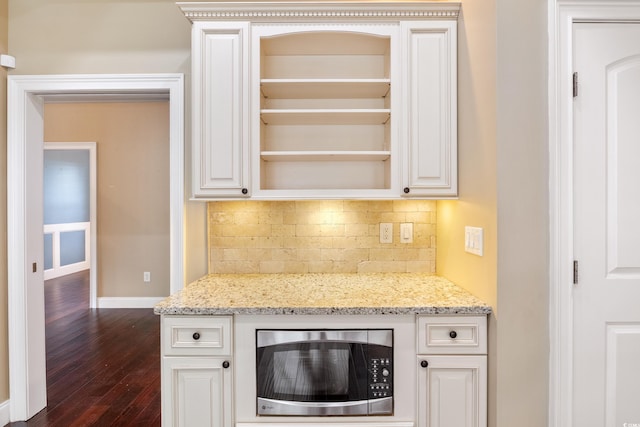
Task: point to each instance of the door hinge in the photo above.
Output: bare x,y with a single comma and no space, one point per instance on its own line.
575,272
575,84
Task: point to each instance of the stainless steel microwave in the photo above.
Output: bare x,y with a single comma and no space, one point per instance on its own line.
328,372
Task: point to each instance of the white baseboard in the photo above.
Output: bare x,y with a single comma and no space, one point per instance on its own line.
128,302
5,414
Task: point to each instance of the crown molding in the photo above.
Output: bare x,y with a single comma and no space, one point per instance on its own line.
332,11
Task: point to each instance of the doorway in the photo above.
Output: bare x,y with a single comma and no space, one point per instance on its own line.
80,220
569,241
25,119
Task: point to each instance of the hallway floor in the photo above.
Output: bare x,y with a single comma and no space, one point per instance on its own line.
103,365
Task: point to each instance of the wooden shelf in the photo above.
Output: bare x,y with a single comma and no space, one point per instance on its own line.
323,156
324,88
326,116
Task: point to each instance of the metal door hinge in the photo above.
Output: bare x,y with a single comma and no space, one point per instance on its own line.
575,272
575,84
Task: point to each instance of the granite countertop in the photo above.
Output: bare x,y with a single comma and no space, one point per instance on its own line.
383,293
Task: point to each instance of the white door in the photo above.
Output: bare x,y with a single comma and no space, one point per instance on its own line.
606,352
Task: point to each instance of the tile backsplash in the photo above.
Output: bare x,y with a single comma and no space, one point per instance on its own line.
333,236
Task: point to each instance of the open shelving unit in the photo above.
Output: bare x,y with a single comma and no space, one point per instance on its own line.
325,110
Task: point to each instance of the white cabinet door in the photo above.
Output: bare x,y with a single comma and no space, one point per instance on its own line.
196,392
429,130
452,391
220,113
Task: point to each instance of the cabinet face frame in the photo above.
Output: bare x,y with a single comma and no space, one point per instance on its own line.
389,181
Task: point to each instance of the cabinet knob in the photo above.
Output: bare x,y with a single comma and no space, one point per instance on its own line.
453,334
225,364
245,191
424,363
406,190
196,336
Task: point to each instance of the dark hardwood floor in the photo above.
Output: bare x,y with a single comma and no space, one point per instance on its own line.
103,365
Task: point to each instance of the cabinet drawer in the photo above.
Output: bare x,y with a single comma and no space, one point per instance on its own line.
452,335
198,335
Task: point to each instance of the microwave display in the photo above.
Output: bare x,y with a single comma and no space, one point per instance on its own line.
324,372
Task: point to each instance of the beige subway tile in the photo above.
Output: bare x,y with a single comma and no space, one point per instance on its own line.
419,267
418,217
312,242
316,266
382,267
348,218
356,230
332,230
283,230
332,254
356,205
319,205
290,217
344,243
287,254
234,254
356,255
295,267
308,254
428,205
221,217
405,205
247,230
269,242
310,230
259,254
271,266
378,254
344,267
367,241
380,206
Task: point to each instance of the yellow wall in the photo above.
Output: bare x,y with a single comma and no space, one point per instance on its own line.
4,357
132,141
477,204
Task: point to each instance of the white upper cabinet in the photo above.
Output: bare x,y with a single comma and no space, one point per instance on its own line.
220,114
316,100
429,126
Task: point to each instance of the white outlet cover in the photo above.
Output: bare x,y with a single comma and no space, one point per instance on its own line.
386,232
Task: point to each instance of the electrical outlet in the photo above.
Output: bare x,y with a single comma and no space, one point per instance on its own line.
386,232
146,276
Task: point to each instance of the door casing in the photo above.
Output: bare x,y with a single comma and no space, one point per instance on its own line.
562,15
27,358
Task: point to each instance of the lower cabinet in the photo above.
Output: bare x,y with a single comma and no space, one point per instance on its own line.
452,391
452,371
200,392
197,371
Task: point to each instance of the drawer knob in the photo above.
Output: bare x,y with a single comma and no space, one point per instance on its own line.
424,363
406,190
453,334
245,191
225,364
196,336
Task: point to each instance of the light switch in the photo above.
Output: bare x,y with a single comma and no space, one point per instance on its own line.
473,240
406,232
